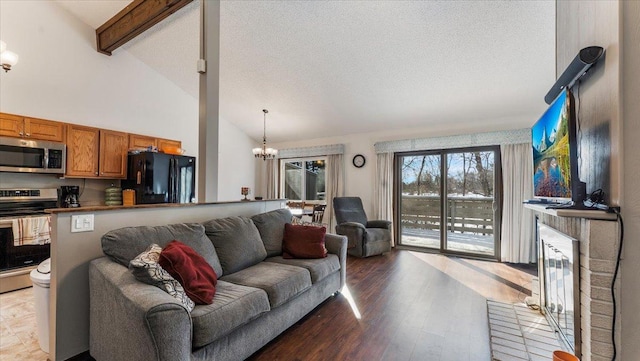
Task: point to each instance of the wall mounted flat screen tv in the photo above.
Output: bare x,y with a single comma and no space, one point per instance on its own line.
555,168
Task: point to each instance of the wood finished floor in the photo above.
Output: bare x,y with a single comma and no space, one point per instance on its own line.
413,306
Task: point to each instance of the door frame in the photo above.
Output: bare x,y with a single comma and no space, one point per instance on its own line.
498,192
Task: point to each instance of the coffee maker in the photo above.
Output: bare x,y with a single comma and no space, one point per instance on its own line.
69,196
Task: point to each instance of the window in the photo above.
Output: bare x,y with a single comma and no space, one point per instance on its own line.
303,178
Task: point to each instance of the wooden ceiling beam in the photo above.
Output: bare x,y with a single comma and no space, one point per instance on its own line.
132,21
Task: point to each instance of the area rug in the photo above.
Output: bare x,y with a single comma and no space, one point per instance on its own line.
519,333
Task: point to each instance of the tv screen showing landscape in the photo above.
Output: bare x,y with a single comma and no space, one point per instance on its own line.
551,151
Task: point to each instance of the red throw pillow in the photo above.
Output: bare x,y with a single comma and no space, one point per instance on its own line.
303,241
192,271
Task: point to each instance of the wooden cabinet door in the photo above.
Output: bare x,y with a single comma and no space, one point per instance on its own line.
43,129
11,125
141,141
168,142
113,154
82,151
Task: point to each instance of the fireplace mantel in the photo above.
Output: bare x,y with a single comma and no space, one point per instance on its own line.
576,213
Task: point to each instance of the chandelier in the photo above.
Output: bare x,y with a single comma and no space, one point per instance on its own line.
264,152
7,58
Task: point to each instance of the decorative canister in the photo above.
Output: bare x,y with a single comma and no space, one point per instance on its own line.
113,196
128,197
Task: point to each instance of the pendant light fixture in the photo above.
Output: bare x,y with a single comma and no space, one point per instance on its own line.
264,152
7,58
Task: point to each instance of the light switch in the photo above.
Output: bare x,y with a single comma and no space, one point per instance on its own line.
82,223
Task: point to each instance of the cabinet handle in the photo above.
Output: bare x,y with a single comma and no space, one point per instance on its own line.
28,134
21,133
96,173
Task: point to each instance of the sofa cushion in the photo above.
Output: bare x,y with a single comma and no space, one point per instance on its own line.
237,242
271,228
303,241
282,282
145,268
124,244
191,270
318,268
233,306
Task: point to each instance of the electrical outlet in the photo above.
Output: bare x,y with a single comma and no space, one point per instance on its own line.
82,223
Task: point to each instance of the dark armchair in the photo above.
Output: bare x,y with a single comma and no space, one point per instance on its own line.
365,238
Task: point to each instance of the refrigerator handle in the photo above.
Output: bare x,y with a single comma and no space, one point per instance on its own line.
176,179
172,180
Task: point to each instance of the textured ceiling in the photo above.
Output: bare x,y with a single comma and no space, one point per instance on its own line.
327,68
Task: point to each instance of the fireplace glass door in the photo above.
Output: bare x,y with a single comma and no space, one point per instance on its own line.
561,283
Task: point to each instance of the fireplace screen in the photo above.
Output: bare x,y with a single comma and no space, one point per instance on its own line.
561,257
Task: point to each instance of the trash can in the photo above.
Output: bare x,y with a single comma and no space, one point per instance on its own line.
41,278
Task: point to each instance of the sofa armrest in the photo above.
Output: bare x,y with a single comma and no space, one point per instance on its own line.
131,320
337,245
379,224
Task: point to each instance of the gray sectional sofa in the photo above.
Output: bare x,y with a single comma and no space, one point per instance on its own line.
259,293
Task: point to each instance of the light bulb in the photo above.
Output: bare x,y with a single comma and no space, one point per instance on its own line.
8,58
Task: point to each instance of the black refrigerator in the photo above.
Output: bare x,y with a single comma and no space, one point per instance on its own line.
161,178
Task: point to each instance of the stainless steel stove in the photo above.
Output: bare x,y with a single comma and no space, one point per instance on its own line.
17,261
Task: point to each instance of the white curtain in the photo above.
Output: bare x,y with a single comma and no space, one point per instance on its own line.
334,187
517,243
383,190
272,178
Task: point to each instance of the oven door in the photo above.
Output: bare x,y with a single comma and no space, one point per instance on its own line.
13,257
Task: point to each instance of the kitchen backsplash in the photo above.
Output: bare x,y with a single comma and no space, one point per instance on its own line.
92,190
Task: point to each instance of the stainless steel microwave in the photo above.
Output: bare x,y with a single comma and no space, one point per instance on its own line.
32,156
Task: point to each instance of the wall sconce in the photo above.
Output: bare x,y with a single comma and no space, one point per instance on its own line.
7,58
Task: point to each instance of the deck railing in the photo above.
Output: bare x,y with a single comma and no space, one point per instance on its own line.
464,214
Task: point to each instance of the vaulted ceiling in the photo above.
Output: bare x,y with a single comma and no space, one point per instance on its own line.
328,68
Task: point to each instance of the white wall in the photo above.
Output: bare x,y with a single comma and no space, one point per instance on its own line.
360,181
236,163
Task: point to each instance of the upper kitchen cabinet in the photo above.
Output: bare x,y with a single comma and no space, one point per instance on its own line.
96,153
137,141
113,154
32,128
164,143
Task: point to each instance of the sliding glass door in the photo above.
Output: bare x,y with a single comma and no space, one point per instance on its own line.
447,200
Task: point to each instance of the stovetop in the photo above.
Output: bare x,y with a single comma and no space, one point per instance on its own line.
26,202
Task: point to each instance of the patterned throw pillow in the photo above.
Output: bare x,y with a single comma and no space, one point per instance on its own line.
145,268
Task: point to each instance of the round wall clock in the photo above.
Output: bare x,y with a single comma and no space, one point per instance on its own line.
358,161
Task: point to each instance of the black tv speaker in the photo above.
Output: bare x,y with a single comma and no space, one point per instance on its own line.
578,67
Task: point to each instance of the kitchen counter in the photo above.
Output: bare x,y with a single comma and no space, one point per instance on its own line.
141,206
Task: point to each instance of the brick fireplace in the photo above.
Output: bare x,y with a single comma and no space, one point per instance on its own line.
598,240
598,244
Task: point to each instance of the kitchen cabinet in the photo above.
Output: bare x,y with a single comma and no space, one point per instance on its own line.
113,154
96,153
141,141
162,143
32,128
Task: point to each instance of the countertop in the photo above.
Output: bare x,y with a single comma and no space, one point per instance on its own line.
157,205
